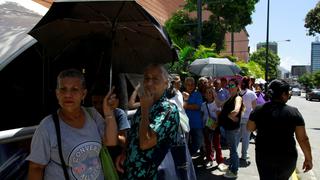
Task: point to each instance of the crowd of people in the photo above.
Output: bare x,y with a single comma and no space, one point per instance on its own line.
174,121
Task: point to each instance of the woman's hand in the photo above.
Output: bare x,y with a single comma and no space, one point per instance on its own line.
185,96
307,165
137,87
109,102
232,116
146,100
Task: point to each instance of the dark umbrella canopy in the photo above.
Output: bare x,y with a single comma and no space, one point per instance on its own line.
214,67
120,33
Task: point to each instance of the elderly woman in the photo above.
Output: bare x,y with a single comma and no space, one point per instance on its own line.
82,132
154,127
277,124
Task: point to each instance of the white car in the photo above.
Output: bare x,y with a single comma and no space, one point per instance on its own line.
296,92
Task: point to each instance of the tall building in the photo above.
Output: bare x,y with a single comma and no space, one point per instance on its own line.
273,46
315,56
299,70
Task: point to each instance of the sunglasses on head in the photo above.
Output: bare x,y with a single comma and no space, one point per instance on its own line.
231,86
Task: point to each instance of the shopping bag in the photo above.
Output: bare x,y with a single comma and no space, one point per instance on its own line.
109,171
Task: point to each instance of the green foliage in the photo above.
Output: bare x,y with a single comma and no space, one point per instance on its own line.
233,15
306,80
312,21
251,69
226,15
231,58
181,28
316,77
187,55
213,33
274,61
205,52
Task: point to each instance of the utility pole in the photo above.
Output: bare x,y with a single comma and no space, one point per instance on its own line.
199,17
267,46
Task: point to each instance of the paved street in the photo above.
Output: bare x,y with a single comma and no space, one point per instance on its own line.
310,110
311,113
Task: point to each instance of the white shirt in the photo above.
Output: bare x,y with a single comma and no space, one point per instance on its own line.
248,97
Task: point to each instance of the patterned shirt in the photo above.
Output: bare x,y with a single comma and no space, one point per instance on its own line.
164,121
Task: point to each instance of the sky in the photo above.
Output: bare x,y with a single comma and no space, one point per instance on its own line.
286,21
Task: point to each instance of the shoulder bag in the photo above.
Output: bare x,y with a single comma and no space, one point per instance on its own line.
211,123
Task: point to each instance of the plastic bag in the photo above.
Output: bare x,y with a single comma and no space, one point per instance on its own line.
109,171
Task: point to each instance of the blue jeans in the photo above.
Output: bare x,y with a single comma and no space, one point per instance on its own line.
232,137
245,136
195,140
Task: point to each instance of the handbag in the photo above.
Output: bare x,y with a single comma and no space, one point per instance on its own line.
109,171
211,124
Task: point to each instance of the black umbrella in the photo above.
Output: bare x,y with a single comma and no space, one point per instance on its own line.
116,35
214,67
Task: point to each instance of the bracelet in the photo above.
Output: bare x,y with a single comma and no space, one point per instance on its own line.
109,116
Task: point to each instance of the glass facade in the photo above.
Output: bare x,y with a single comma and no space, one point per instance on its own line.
315,56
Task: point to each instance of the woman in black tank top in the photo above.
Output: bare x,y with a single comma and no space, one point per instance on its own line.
229,119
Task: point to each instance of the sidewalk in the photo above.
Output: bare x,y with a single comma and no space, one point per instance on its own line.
247,171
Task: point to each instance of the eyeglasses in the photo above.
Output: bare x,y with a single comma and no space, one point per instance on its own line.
231,86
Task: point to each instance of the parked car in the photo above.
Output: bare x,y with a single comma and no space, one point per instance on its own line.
296,92
313,94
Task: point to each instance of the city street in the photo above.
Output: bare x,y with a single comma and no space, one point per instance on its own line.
310,112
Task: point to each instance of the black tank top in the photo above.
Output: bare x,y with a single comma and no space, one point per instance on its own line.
224,120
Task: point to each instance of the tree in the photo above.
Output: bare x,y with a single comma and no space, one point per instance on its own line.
180,28
187,55
180,66
306,80
251,68
274,61
312,21
226,16
316,78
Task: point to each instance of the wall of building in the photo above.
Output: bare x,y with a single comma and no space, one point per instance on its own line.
299,70
241,45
